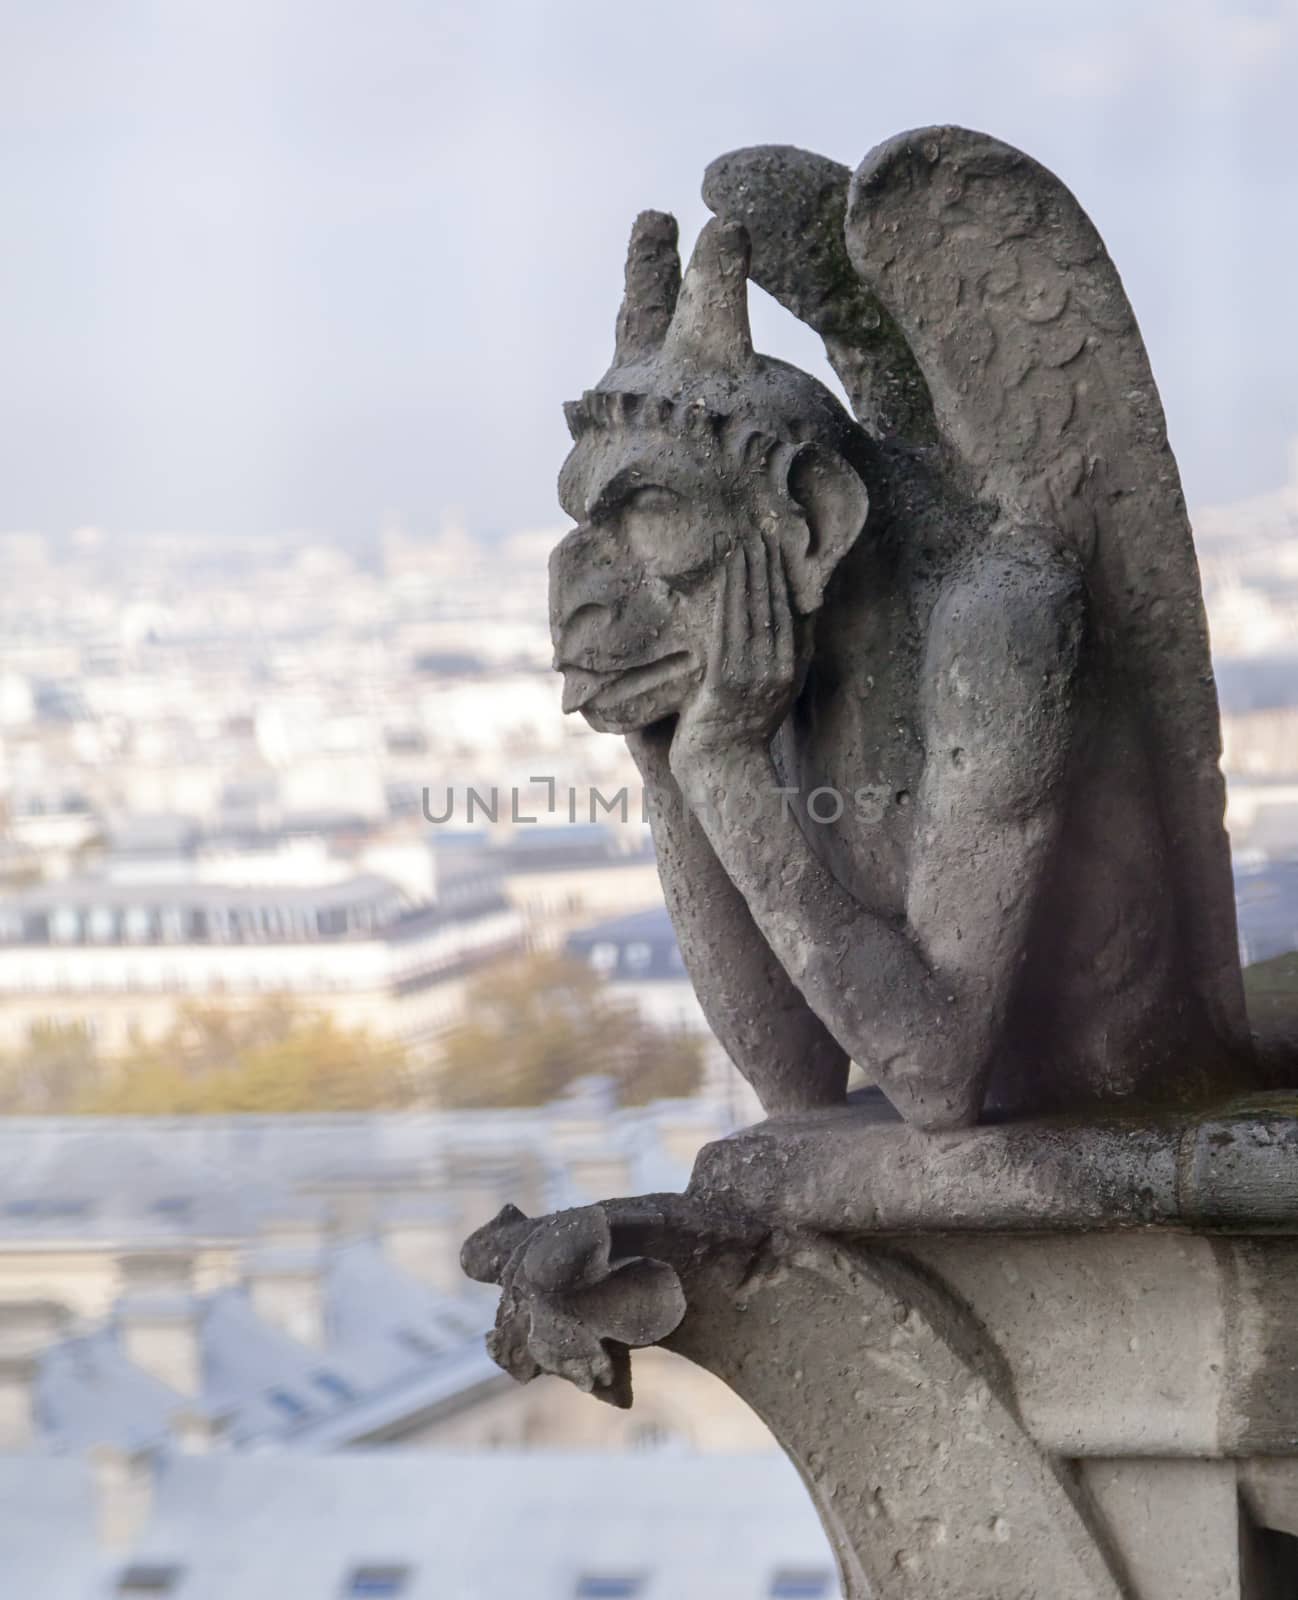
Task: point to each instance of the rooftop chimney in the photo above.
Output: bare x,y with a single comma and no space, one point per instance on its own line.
299,1226
123,1491
284,1272
146,1272
27,1327
423,1238
287,1292
481,1183
158,1318
198,1433
17,1401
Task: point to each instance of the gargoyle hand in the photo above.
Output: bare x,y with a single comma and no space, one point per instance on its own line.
751,673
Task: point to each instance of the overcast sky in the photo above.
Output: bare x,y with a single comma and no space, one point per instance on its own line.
306,264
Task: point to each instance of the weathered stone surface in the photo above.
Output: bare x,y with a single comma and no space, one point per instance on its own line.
792,205
925,713
929,728
570,1306
1158,1343
844,1171
990,1414
882,1388
1178,1524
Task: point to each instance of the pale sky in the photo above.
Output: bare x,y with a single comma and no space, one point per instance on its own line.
272,265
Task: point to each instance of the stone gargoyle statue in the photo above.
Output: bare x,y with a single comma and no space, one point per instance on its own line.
922,699
925,713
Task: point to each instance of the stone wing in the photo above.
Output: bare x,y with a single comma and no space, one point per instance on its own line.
968,298
1041,385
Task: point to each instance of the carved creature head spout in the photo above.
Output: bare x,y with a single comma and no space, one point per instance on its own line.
689,445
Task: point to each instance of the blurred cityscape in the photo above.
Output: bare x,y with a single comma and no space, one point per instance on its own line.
322,935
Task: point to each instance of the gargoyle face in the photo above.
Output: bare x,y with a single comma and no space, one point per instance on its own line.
690,444
633,587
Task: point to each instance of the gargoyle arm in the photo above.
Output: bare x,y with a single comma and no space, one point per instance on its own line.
920,1005
765,1026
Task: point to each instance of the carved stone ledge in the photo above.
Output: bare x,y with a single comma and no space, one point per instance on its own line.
884,1391
1040,1360
844,1170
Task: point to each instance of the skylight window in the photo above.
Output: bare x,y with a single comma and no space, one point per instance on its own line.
603,956
140,1582
58,1209
377,1583
639,955
287,1404
334,1386
802,1584
419,1343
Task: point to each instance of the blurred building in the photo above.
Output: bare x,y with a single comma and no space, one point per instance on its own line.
1262,815
561,876
410,1526
639,958
1266,895
293,1282
116,953
1248,556
53,823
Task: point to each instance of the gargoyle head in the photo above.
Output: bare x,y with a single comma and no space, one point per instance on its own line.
690,444
572,1304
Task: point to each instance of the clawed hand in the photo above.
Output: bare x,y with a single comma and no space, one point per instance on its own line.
752,666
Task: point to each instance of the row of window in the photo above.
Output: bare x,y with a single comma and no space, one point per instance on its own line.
294,1408
55,979
391,1582
635,957
152,1582
175,1208
789,1583
143,924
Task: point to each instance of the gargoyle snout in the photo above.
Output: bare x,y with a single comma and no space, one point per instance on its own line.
587,597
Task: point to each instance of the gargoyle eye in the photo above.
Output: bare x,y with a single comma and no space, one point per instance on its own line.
651,498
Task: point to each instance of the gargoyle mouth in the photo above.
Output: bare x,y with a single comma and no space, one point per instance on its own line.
582,688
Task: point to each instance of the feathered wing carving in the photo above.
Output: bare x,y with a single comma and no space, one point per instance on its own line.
1037,372
1019,350
1041,384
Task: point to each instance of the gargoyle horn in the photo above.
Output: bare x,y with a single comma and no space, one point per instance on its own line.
653,280
710,325
699,322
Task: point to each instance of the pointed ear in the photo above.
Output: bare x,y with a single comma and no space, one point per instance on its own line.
833,502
